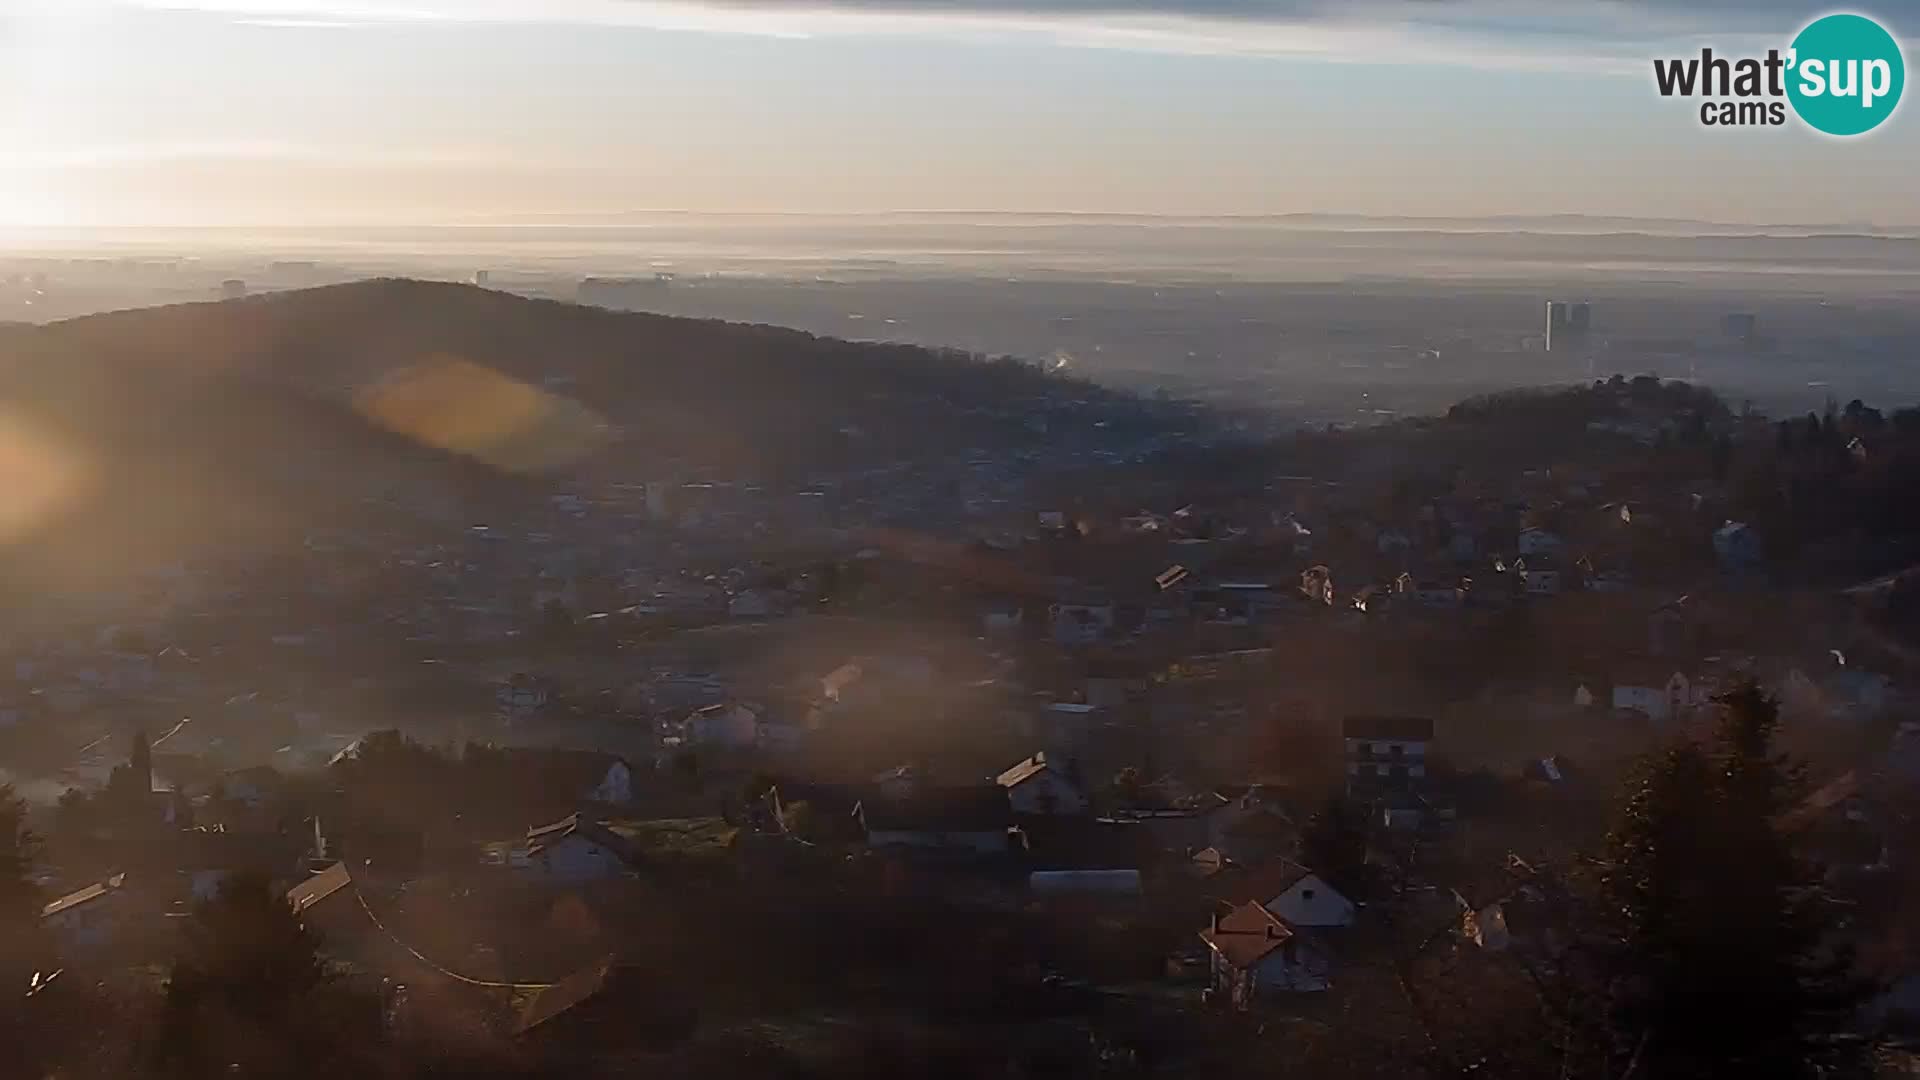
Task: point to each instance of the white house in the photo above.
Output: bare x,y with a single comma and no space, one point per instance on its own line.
1538,542
1386,748
1254,952
1039,786
1660,701
1295,894
570,852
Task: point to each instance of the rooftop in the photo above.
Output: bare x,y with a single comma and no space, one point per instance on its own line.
318,887
81,897
1246,935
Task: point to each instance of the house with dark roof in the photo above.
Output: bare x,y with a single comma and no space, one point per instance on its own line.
1289,891
571,851
972,819
1042,784
1386,751
1254,952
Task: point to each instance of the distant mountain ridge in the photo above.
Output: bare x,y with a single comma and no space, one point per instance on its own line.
1561,223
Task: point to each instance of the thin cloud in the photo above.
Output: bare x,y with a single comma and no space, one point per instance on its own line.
1616,35
113,155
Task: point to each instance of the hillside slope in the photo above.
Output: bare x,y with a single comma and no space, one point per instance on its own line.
237,426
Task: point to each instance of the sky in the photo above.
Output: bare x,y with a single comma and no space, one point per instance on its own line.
297,112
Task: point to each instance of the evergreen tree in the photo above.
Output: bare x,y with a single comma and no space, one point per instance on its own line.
1334,843
23,951
249,995
1722,962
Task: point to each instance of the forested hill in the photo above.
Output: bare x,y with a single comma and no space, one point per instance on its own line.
208,423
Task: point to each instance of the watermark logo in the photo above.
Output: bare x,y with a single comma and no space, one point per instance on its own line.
1842,75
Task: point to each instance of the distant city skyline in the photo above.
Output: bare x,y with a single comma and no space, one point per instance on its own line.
301,112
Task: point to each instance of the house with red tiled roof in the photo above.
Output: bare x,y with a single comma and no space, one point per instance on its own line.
1255,952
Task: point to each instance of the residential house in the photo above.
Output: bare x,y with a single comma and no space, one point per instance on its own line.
1439,595
521,695
1253,952
571,851
1209,863
328,901
1316,584
1510,909
1081,622
1043,785
1292,892
1374,599
1002,617
1540,576
1066,727
1539,543
1046,884
612,784
1389,749
1660,700
87,918
963,819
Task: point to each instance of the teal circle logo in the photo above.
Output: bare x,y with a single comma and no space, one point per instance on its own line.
1846,74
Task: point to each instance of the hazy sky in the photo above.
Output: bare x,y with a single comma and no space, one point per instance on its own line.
297,111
